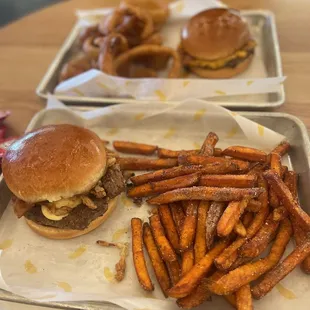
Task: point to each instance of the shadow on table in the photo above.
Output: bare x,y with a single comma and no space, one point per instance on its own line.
11,10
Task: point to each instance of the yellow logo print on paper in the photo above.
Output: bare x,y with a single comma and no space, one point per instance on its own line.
125,201
220,92
285,292
78,92
232,132
261,130
65,286
139,116
108,274
30,267
160,95
196,145
170,133
6,244
249,83
112,131
78,252
185,83
199,114
119,234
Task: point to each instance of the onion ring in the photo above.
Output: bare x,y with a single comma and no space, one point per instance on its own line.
91,31
154,39
149,50
76,66
91,47
132,22
158,9
110,47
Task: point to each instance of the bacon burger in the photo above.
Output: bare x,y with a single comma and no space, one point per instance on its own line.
64,181
217,44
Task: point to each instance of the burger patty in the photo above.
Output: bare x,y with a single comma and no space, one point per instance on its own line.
229,62
81,216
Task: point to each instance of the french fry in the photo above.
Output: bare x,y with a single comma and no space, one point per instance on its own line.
282,148
191,280
206,193
231,299
247,219
240,165
282,270
253,206
244,298
213,216
231,216
239,229
245,153
240,181
217,151
120,266
257,168
209,143
165,153
228,257
169,226
174,271
284,170
165,249
199,294
200,246
259,243
159,266
152,188
105,141
134,163
290,179
178,215
287,198
189,226
279,214
247,273
275,165
187,261
138,255
165,174
134,148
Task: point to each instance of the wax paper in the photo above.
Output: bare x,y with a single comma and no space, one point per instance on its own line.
95,83
79,269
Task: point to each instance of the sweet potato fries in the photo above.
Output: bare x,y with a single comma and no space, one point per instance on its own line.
216,215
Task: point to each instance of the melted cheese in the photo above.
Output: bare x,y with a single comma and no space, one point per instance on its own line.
219,63
47,209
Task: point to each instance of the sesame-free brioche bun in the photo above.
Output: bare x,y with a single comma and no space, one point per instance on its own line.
57,233
223,73
158,9
54,162
214,33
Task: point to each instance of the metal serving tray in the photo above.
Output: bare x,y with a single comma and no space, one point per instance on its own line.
299,156
262,24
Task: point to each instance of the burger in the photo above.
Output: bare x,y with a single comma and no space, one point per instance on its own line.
64,182
217,44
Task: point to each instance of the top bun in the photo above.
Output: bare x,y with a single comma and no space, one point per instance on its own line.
214,34
54,162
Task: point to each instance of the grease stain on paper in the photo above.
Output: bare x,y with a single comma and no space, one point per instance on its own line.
286,293
118,234
261,130
78,252
185,83
78,92
30,267
232,132
160,95
126,201
249,83
112,131
65,286
6,244
220,92
170,133
108,274
199,114
139,116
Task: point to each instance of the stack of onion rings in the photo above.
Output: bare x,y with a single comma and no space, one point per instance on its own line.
134,55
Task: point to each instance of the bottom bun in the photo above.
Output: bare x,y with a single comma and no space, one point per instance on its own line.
223,73
57,233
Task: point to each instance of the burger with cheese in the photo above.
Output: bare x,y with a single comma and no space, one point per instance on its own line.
64,181
217,43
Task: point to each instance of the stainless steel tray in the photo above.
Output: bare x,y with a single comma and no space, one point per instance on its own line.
299,156
261,22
